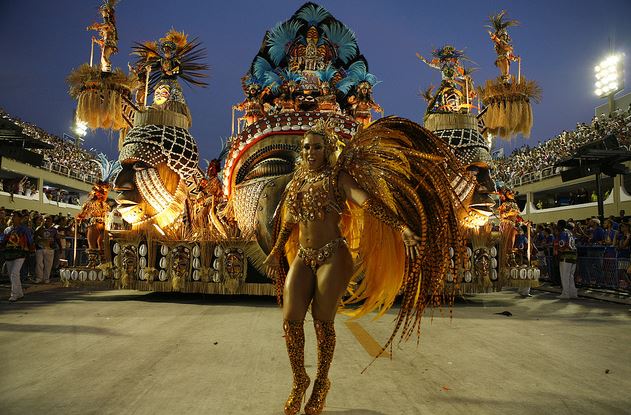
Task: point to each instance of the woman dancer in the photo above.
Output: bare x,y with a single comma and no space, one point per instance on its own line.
324,214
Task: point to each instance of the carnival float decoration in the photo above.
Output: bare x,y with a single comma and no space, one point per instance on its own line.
309,63
103,93
507,98
449,115
210,231
309,67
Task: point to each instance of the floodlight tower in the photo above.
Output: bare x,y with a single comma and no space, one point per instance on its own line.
609,78
80,129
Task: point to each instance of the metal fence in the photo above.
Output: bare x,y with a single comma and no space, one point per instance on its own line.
534,176
66,171
596,267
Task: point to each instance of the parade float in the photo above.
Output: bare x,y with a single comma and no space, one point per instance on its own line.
503,109
103,93
191,230
507,98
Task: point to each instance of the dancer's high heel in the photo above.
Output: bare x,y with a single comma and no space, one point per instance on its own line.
297,395
318,397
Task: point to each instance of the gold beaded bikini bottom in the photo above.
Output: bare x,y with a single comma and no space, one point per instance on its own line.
314,257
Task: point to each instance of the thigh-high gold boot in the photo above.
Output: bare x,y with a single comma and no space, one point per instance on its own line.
325,333
295,340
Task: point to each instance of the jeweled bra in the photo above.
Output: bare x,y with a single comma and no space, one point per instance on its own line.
313,203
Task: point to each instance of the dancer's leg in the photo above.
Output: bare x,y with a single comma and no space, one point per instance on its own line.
297,294
333,278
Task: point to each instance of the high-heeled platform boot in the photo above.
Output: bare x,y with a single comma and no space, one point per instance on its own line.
325,334
295,340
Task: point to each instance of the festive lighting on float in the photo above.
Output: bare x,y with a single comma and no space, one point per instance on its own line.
609,76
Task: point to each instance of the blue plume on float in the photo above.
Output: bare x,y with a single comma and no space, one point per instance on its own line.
356,73
343,40
370,78
345,85
260,68
109,169
326,74
288,75
273,80
280,38
265,75
313,14
352,74
356,70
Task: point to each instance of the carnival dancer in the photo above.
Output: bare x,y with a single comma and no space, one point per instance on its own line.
567,261
96,209
329,212
108,40
362,104
502,42
16,242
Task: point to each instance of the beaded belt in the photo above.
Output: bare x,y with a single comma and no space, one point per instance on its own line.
314,257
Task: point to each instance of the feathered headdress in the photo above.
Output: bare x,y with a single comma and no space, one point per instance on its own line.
356,74
499,24
109,168
326,128
189,55
448,52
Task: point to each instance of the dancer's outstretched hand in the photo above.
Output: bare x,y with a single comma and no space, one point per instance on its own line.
411,240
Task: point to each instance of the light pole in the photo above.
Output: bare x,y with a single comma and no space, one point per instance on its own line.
80,129
609,78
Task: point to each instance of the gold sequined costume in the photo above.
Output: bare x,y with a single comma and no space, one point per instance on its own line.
412,183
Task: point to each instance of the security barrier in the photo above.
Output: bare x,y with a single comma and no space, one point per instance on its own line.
596,267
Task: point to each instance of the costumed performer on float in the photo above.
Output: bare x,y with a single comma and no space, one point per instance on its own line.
361,214
95,210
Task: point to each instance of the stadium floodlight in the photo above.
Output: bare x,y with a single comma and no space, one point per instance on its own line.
609,76
81,128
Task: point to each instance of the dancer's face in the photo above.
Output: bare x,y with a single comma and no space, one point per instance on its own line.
313,151
134,204
161,94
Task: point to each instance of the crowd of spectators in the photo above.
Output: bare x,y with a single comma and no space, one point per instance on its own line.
65,154
33,246
603,249
526,160
27,188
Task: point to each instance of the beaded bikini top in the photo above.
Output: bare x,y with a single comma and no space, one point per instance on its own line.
315,201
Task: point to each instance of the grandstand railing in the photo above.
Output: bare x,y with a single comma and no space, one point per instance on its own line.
534,176
596,267
66,171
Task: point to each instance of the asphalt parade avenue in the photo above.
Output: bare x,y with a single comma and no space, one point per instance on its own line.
70,351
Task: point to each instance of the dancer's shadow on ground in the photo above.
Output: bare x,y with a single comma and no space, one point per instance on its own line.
352,412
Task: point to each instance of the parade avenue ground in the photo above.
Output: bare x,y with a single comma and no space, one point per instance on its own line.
70,351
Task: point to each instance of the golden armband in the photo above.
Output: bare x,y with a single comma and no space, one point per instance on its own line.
381,212
283,237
